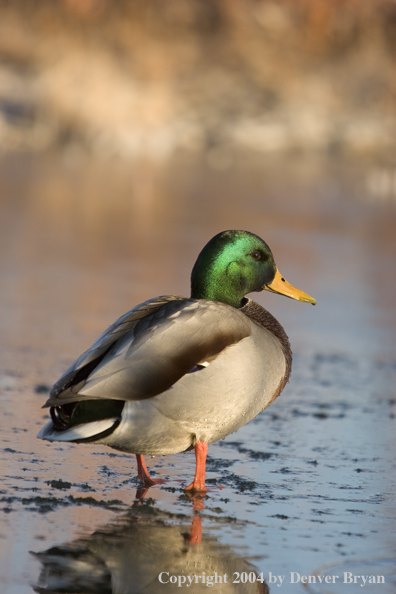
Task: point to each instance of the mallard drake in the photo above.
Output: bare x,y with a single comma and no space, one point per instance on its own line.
177,373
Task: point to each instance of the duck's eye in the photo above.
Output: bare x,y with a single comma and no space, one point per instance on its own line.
257,255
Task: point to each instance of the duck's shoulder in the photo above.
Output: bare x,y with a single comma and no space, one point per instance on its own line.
265,319
161,312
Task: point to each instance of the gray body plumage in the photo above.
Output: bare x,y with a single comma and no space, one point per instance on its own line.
187,370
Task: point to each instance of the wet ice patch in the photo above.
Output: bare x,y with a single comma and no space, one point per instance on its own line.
377,576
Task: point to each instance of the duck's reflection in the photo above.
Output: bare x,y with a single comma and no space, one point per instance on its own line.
146,551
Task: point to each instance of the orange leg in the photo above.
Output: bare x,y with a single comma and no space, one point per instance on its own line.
201,451
196,531
143,473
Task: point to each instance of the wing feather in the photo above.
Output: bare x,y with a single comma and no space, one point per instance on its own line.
149,349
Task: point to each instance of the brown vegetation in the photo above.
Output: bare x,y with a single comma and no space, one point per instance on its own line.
132,77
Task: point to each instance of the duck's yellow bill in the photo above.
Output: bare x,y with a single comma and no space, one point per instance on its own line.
282,287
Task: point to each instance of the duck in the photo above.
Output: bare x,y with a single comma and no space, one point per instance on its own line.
175,374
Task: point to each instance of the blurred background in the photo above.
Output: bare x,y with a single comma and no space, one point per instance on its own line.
133,78
131,132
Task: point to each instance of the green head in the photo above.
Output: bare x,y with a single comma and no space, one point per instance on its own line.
235,263
231,265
